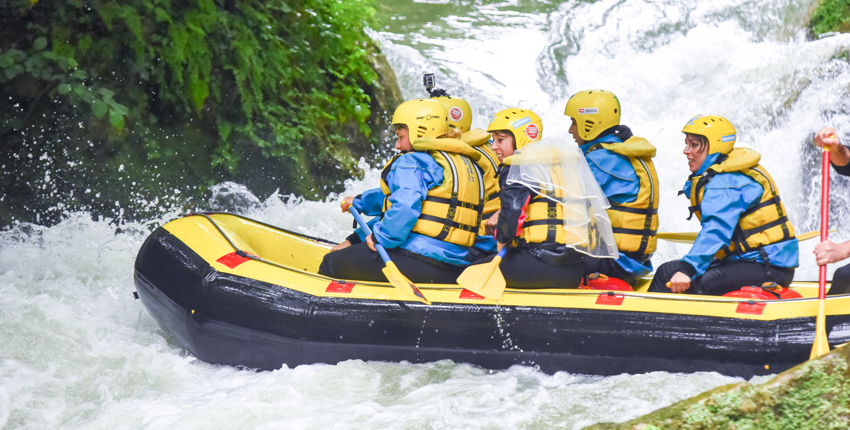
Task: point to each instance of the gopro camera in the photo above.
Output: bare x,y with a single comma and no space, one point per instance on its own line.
429,82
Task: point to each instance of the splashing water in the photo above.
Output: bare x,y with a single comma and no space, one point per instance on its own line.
79,352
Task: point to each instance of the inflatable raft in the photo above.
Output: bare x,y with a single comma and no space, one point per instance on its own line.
239,292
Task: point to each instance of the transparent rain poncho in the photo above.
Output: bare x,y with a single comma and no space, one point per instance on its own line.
557,170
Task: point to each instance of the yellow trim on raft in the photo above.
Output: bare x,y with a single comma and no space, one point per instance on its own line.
301,257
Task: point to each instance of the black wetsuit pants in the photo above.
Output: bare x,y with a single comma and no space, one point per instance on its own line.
840,281
522,269
722,277
358,262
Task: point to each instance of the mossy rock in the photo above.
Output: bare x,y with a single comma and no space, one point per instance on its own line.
831,15
124,109
813,395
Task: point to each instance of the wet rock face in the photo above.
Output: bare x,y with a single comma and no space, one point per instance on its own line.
385,95
813,395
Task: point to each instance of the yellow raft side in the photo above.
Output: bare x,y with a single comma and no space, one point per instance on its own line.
300,258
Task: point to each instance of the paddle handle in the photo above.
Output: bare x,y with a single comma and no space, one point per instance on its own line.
824,219
380,248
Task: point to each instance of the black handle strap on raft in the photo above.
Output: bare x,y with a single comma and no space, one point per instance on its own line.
238,251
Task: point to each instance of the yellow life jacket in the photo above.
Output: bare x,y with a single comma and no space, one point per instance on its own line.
479,140
635,224
451,211
762,224
546,218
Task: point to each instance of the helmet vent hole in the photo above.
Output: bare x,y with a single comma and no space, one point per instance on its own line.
422,130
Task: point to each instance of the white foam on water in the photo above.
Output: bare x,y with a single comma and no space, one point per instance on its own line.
668,61
80,352
77,351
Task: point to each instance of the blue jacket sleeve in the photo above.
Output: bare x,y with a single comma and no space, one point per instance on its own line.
409,179
371,202
726,197
615,175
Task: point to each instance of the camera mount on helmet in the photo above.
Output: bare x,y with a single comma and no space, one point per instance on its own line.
430,82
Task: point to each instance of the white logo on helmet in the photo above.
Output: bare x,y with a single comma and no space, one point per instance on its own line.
532,131
456,113
521,122
588,111
727,138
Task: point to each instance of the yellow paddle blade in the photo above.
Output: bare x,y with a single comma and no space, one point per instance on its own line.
821,344
484,279
402,283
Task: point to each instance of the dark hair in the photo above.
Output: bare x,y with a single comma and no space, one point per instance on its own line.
508,132
703,141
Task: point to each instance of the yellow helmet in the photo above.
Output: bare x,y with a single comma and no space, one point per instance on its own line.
721,134
524,124
460,114
423,117
594,112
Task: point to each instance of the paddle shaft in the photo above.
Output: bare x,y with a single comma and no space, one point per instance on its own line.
390,270
824,220
378,247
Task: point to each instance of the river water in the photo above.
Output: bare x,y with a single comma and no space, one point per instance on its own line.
78,352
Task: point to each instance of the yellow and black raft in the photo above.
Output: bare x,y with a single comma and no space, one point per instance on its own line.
240,292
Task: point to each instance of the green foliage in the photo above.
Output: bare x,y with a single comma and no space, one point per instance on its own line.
247,90
831,15
814,395
60,75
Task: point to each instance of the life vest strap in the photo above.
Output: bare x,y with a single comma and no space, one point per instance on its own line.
635,231
448,223
455,202
638,211
766,226
547,221
769,202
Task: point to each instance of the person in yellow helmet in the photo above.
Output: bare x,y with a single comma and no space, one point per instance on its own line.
539,259
427,208
746,237
828,252
460,123
622,165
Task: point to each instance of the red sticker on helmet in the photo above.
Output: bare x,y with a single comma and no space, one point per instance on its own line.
532,131
456,113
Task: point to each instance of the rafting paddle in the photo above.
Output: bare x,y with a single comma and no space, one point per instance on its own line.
691,236
390,270
485,279
821,344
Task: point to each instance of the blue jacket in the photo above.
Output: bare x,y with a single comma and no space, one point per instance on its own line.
726,196
620,183
410,177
